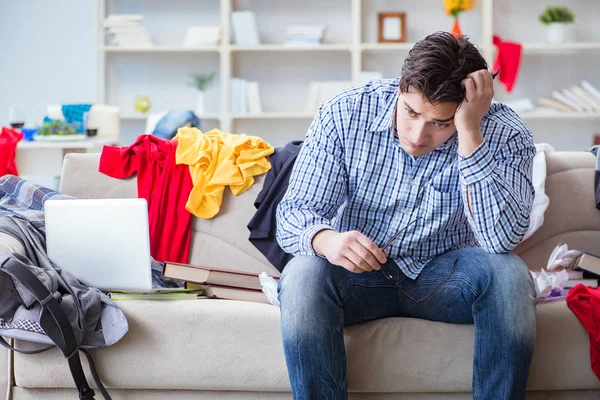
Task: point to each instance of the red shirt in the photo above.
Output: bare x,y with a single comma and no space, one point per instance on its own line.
165,185
584,301
9,138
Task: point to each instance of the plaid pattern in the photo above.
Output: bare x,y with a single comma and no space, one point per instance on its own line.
73,114
352,174
22,324
26,200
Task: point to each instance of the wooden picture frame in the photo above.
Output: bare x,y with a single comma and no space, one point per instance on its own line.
392,27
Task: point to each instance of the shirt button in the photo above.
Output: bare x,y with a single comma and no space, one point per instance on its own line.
413,182
405,211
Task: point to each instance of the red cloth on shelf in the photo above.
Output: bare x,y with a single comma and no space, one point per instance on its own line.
9,138
165,185
584,301
508,61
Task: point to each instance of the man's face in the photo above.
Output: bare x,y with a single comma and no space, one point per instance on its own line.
421,125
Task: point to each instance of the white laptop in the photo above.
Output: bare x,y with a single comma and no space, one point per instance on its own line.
103,243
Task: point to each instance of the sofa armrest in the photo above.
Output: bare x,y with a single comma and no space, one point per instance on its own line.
80,178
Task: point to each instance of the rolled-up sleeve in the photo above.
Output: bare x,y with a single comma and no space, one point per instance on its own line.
317,188
500,190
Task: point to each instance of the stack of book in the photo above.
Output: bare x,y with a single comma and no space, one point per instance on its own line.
244,28
581,98
586,272
245,97
218,283
304,35
126,30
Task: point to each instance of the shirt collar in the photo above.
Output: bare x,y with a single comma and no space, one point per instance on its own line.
384,118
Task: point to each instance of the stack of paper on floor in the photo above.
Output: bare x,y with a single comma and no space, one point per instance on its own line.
217,282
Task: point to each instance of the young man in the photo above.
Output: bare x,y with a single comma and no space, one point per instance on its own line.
430,153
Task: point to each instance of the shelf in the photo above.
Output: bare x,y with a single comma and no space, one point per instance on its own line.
76,144
160,49
275,115
143,117
386,46
284,48
541,115
538,47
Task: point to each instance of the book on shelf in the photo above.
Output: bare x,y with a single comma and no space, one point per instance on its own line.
245,97
575,99
229,293
559,96
204,275
554,104
591,89
304,35
585,96
244,28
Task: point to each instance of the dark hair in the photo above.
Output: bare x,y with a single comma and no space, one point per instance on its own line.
436,65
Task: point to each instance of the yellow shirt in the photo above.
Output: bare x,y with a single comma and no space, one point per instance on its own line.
218,159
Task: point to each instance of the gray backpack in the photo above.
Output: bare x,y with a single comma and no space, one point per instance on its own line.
42,304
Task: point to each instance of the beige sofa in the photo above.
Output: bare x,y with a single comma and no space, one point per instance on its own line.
216,349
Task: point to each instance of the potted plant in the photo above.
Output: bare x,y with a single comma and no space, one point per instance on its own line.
201,82
54,129
559,24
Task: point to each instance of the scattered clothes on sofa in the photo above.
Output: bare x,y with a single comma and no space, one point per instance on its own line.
217,159
9,138
540,200
24,200
166,124
263,225
594,150
584,301
165,186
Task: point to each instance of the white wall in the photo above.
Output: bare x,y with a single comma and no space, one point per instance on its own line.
47,55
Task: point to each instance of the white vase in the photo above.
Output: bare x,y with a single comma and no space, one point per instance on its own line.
199,110
559,32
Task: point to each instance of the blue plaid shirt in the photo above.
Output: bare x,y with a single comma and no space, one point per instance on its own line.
352,174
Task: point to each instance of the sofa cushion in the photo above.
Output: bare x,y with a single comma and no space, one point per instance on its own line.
227,345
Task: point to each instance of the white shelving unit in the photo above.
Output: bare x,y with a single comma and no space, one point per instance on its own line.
352,48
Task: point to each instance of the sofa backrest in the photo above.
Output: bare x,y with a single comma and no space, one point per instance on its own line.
222,241
571,217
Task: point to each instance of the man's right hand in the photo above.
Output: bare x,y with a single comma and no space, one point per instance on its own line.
350,250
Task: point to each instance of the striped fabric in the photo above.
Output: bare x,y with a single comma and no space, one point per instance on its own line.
352,174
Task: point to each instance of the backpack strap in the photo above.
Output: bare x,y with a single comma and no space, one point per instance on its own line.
53,316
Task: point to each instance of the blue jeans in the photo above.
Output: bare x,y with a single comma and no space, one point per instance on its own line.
494,292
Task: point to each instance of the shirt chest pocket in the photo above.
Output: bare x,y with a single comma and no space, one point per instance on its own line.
442,207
